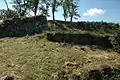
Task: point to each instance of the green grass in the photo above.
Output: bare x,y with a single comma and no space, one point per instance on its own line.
35,58
67,27
1,23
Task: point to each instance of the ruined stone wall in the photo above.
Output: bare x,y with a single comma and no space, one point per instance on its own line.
18,27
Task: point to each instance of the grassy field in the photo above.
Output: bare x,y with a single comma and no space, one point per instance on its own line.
35,58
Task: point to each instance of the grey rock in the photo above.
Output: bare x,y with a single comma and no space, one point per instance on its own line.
7,77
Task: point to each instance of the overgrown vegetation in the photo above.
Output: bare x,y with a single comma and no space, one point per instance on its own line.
6,14
67,51
115,41
103,28
34,57
99,29
18,27
75,33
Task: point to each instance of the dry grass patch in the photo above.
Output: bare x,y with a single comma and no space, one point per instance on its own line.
35,58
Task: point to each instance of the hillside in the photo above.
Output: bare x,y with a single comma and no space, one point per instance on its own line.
60,54
35,58
59,40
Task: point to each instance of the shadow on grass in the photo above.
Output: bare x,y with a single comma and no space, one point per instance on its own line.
19,34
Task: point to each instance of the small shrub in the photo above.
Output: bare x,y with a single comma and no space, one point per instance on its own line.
115,41
105,74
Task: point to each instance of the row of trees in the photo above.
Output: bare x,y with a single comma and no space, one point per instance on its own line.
24,7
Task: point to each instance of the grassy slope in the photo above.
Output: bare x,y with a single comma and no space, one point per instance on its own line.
67,27
35,58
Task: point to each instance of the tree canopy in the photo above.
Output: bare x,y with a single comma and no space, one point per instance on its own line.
43,7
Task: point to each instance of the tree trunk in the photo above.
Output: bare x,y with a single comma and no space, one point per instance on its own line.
36,10
35,13
53,9
6,4
20,10
71,18
53,15
65,18
71,13
36,6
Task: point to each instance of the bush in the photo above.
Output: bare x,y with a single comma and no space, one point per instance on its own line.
115,41
96,27
105,74
5,14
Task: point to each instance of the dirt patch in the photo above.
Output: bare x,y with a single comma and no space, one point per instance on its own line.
69,71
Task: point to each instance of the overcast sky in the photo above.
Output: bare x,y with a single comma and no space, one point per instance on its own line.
90,10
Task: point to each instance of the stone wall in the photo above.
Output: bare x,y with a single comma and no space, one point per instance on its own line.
80,39
18,27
